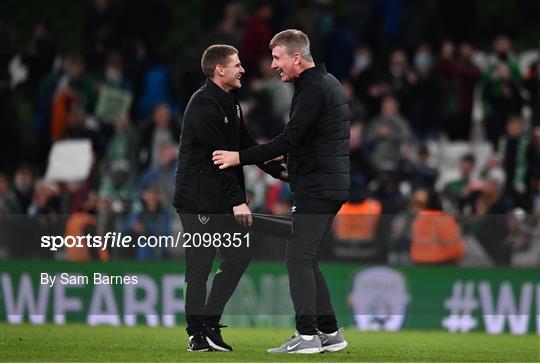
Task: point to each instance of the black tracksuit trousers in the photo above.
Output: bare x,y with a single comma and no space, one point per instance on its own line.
312,220
201,310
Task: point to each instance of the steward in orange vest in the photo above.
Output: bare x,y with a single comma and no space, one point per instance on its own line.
436,237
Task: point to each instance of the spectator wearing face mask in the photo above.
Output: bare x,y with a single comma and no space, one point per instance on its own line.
502,89
424,111
363,76
458,76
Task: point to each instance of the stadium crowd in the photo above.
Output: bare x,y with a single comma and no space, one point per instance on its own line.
444,147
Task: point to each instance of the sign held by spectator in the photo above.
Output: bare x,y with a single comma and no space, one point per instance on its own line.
69,161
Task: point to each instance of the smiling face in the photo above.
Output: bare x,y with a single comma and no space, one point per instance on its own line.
284,63
231,73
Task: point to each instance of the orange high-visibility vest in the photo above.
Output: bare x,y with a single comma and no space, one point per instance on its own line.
436,238
358,221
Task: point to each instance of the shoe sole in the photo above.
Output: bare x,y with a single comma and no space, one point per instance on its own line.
199,351
335,347
215,346
301,351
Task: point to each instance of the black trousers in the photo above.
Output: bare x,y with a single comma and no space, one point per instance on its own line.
201,310
312,220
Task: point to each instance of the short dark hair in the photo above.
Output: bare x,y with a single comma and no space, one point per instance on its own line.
468,157
214,55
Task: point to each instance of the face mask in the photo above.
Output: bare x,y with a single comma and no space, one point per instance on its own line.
362,62
113,75
422,60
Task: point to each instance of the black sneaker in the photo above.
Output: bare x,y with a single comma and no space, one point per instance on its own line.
198,343
214,339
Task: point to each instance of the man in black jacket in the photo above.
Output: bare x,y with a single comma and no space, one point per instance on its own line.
316,141
205,196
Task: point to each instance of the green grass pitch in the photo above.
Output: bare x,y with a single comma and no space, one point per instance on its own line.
75,343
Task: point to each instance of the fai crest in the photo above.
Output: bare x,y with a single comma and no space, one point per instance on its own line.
226,120
203,219
238,111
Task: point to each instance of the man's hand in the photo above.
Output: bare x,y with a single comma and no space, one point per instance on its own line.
225,159
242,214
284,176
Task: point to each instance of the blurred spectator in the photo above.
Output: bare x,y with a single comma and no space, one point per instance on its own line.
532,84
8,200
38,56
150,219
362,171
435,235
533,163
161,129
512,150
364,79
82,223
502,92
230,30
340,44
73,91
257,35
162,176
460,192
399,241
458,75
399,76
425,96
490,220
157,88
45,200
100,32
421,173
10,142
113,72
386,135
356,228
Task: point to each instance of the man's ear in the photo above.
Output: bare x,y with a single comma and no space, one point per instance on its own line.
297,58
219,70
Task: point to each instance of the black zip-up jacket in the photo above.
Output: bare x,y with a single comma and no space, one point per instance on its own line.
212,120
316,138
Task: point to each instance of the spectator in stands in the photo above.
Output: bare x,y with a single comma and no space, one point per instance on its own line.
399,76
163,175
10,141
162,128
458,76
45,200
38,56
365,81
257,34
340,44
420,173
8,200
100,32
512,151
532,84
229,30
386,135
73,90
436,236
356,227
502,86
460,192
150,219
399,242
490,220
533,163
425,96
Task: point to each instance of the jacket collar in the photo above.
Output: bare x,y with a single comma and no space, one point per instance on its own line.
318,69
222,96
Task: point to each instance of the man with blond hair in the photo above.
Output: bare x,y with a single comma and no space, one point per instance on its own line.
316,142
